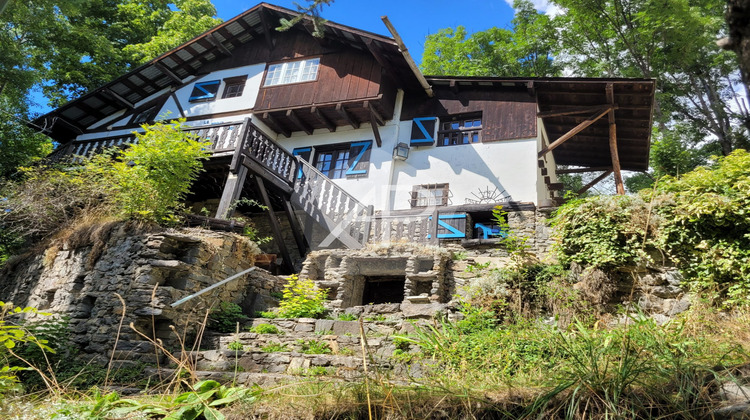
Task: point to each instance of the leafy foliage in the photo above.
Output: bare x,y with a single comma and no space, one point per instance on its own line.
265,329
314,347
525,50
604,231
150,178
707,225
11,335
699,220
225,318
302,299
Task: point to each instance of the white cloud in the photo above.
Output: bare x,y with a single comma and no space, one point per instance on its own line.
543,6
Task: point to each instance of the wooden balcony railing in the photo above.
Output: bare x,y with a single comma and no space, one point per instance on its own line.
344,216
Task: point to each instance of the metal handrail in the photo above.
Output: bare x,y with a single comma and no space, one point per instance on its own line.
211,287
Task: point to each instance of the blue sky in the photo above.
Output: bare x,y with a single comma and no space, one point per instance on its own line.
413,19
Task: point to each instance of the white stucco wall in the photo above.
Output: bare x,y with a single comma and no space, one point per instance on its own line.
246,101
508,166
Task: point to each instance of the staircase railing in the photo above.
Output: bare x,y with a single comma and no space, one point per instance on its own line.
347,219
269,154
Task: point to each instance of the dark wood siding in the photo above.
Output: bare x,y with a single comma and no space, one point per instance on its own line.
342,76
506,114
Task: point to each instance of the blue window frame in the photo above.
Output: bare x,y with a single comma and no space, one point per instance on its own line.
349,160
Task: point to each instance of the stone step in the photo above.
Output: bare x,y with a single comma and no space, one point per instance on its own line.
292,363
241,378
379,345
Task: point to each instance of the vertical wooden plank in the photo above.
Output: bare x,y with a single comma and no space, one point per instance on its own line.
274,224
231,192
299,238
609,89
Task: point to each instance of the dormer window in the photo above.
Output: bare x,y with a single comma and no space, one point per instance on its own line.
292,72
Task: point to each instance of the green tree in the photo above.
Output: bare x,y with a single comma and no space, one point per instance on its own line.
673,41
69,47
524,50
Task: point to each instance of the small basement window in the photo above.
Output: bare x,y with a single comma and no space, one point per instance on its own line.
383,289
458,129
430,195
292,72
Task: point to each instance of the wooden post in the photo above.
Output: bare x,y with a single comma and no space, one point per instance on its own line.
613,141
274,224
368,224
299,238
230,194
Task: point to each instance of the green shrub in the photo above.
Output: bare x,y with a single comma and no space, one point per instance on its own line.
314,347
264,329
150,178
346,317
700,221
225,318
275,347
236,346
301,299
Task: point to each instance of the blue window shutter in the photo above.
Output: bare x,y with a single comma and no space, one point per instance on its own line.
359,159
422,131
205,91
451,226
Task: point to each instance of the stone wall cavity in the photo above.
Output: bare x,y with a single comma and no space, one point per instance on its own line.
83,279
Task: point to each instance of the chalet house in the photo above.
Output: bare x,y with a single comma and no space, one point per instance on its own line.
347,142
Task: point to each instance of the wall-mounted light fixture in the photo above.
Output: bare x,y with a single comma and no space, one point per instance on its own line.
401,151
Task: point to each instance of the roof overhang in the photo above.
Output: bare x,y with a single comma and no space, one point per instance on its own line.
174,68
567,103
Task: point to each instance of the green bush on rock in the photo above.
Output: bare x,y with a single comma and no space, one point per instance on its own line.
700,221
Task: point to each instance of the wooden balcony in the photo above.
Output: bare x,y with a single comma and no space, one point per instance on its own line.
241,140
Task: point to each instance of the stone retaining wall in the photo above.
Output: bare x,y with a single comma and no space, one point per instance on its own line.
149,271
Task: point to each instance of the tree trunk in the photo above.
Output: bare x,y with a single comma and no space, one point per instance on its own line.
738,21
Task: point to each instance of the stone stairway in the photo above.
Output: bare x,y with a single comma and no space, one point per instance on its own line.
290,354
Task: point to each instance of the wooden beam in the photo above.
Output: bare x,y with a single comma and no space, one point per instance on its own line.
453,86
274,224
164,69
119,99
341,109
594,182
375,51
584,170
619,186
211,38
275,124
375,130
179,107
323,119
577,129
298,122
231,193
299,238
571,111
374,113
266,29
